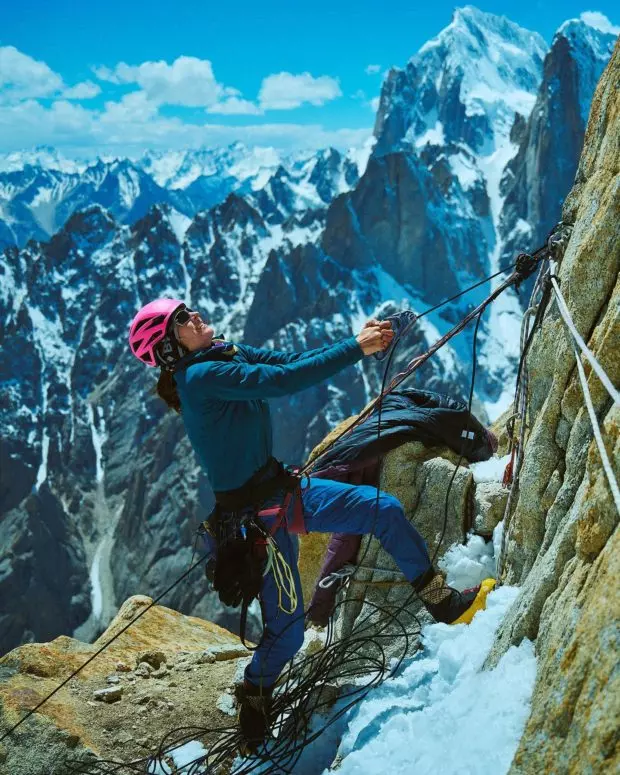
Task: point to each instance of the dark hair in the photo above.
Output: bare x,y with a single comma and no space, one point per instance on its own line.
167,390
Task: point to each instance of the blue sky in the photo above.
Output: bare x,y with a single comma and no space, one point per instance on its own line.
154,72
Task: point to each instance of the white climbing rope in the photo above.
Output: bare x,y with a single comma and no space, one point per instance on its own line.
566,317
613,484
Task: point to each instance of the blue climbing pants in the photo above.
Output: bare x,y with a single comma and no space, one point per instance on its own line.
330,507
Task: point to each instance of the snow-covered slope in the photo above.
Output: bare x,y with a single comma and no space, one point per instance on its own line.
437,713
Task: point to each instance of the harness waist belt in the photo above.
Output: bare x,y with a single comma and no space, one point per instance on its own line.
261,486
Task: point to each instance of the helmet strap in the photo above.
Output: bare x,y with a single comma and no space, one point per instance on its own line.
169,351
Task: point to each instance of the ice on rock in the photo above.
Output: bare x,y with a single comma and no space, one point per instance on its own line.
466,565
443,713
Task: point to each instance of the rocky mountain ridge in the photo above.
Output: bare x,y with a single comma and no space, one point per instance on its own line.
39,191
551,140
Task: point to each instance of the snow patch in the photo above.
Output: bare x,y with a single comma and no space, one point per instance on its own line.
433,716
226,704
498,537
42,472
99,436
179,224
465,170
360,156
491,470
184,760
466,565
96,591
432,136
129,187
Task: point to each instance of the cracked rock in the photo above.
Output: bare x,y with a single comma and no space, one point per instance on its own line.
111,694
143,670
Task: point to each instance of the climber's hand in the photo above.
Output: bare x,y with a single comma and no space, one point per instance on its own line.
375,336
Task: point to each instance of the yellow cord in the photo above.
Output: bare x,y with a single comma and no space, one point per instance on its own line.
283,577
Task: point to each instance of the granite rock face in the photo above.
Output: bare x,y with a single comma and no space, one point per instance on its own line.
563,536
166,670
44,580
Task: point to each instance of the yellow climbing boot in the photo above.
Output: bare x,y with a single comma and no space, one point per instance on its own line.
448,605
479,602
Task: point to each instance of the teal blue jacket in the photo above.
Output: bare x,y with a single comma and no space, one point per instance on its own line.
224,403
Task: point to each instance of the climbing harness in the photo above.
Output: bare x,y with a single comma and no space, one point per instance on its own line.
242,534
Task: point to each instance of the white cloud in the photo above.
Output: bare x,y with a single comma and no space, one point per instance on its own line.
29,123
133,107
82,91
283,91
105,74
374,103
234,106
22,77
188,81
600,22
132,124
372,69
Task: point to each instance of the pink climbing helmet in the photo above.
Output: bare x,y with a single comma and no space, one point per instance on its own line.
149,328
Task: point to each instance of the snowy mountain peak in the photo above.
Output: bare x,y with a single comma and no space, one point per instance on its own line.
41,156
597,21
463,86
591,31
590,41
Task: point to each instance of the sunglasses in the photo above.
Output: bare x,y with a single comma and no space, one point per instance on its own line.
183,316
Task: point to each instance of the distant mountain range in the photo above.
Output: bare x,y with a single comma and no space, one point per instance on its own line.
39,190
476,143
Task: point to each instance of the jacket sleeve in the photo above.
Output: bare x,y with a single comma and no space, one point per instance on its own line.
238,381
278,357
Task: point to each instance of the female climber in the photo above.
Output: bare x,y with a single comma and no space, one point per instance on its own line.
221,390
